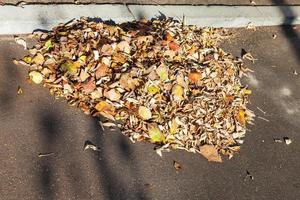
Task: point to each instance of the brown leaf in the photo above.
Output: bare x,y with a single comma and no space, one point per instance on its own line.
89,86
113,95
124,47
102,70
177,165
105,107
127,82
211,153
19,91
106,50
83,75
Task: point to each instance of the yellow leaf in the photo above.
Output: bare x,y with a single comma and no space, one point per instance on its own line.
36,77
155,134
48,44
38,59
248,91
173,126
82,58
144,113
240,117
152,89
177,92
211,153
70,66
27,59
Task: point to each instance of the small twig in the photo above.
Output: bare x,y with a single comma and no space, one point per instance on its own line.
258,108
45,154
263,119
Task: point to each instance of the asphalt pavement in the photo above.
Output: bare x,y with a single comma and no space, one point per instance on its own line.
34,123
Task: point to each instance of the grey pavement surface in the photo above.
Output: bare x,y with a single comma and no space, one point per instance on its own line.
161,2
34,122
21,20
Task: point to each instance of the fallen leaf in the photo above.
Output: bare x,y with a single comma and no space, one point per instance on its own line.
124,47
177,92
70,66
152,89
48,44
169,37
127,82
113,95
162,72
89,145
83,75
89,86
105,107
240,117
210,153
82,58
27,59
194,77
155,134
106,50
96,54
287,140
19,91
36,77
21,42
96,94
145,113
38,59
174,46
173,126
102,70
176,165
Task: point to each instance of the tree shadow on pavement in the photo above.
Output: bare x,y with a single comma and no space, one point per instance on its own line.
288,29
50,136
108,178
10,78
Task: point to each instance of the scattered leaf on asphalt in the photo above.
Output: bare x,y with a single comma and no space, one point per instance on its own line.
89,145
21,42
176,165
287,140
277,140
19,91
210,153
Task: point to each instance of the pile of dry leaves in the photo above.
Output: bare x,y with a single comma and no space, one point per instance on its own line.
158,81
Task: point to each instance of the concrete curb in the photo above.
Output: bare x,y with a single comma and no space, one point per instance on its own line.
22,20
